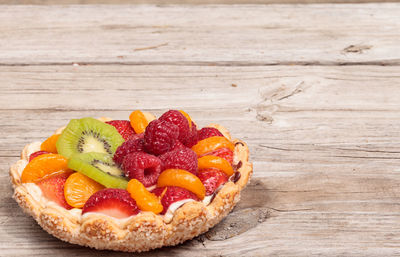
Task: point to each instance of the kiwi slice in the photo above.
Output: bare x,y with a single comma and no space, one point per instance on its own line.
99,167
88,135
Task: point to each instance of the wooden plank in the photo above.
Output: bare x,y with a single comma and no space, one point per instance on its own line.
201,35
58,2
324,142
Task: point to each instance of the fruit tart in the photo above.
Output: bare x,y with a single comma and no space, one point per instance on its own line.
131,185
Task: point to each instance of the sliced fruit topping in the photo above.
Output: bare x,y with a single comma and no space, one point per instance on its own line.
211,144
172,194
146,200
181,158
212,179
130,146
123,127
179,120
210,161
138,121
49,145
53,188
142,166
207,132
160,136
99,167
78,188
187,117
225,153
36,154
113,202
88,135
182,178
42,166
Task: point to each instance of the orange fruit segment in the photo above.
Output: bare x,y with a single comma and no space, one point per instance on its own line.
187,117
212,143
184,179
49,145
138,121
210,161
145,200
78,188
43,166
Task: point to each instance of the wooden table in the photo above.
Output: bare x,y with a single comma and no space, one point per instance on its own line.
313,89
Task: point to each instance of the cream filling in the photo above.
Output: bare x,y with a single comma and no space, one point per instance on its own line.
173,207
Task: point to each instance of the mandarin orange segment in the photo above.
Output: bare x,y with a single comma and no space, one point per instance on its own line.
145,200
138,121
42,166
184,179
212,143
210,161
78,188
49,145
187,117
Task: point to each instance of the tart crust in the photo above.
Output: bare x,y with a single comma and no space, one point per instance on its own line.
142,232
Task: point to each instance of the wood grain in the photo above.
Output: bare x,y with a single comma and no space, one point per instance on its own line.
313,90
201,35
58,2
326,157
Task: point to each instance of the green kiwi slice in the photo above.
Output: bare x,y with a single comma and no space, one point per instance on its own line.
99,167
88,135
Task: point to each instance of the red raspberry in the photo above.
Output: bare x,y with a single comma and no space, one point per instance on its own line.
183,158
173,194
114,202
160,136
212,179
130,146
178,145
208,132
178,119
124,128
225,153
192,138
36,154
142,166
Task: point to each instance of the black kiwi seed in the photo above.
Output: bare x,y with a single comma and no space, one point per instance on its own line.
96,135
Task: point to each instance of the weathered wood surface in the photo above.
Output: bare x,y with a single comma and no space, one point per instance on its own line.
324,139
52,2
206,35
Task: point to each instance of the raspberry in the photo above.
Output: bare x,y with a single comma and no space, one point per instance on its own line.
160,136
178,145
36,154
183,158
178,119
192,138
173,194
208,132
142,166
225,153
212,179
124,128
130,146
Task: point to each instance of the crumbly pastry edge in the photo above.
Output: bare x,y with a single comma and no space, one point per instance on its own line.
139,233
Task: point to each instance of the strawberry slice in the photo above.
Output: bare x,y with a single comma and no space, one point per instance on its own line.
53,188
212,179
36,154
172,194
124,128
113,202
225,153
